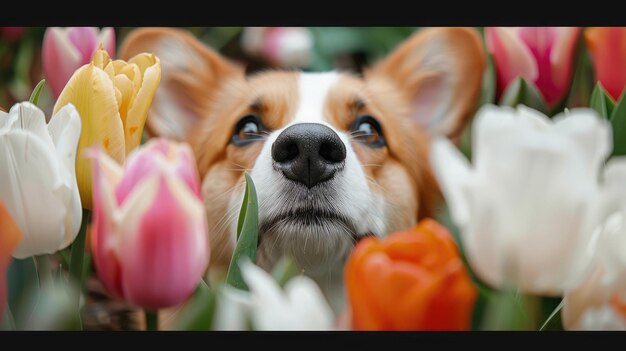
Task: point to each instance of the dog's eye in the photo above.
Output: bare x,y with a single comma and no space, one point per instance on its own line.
368,131
247,130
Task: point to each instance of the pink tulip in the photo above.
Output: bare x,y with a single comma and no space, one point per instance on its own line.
280,46
66,49
541,55
607,46
149,234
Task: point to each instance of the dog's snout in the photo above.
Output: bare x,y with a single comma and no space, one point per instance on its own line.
309,153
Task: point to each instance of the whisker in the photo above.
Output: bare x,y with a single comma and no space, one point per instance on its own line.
236,164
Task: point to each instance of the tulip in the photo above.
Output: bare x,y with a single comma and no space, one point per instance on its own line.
607,46
233,310
37,177
281,46
10,236
521,208
64,50
541,55
600,301
149,238
113,98
594,305
411,280
299,306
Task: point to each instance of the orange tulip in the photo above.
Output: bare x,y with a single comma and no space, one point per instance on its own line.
10,236
411,280
607,46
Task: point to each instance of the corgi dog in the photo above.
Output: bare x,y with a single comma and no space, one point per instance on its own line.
334,156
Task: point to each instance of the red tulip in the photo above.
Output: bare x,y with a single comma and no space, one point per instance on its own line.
543,56
149,239
607,46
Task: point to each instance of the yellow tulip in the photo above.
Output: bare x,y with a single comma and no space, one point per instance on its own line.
113,98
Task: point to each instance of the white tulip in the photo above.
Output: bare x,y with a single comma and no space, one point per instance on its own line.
232,310
602,318
594,305
300,306
599,303
38,178
522,206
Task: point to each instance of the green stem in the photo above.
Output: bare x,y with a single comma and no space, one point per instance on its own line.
152,320
44,269
531,305
76,263
78,250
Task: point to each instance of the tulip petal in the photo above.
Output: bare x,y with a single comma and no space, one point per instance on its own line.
160,155
453,171
607,46
107,39
60,59
92,92
125,96
138,112
591,134
162,244
64,129
6,121
561,161
306,299
562,56
512,57
602,318
85,39
25,158
10,236
300,307
107,174
27,116
364,314
233,309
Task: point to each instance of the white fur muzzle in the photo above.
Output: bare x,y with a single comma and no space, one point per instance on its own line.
287,225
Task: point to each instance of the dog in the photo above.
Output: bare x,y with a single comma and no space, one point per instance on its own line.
334,156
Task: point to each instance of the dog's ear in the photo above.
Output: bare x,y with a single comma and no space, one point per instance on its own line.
439,70
190,76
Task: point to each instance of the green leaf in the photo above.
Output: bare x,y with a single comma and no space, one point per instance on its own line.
488,92
78,249
284,270
248,236
579,91
601,101
507,310
242,211
7,322
555,313
34,96
23,286
198,312
618,122
520,92
55,309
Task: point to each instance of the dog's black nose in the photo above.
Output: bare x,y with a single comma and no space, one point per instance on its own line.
309,153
